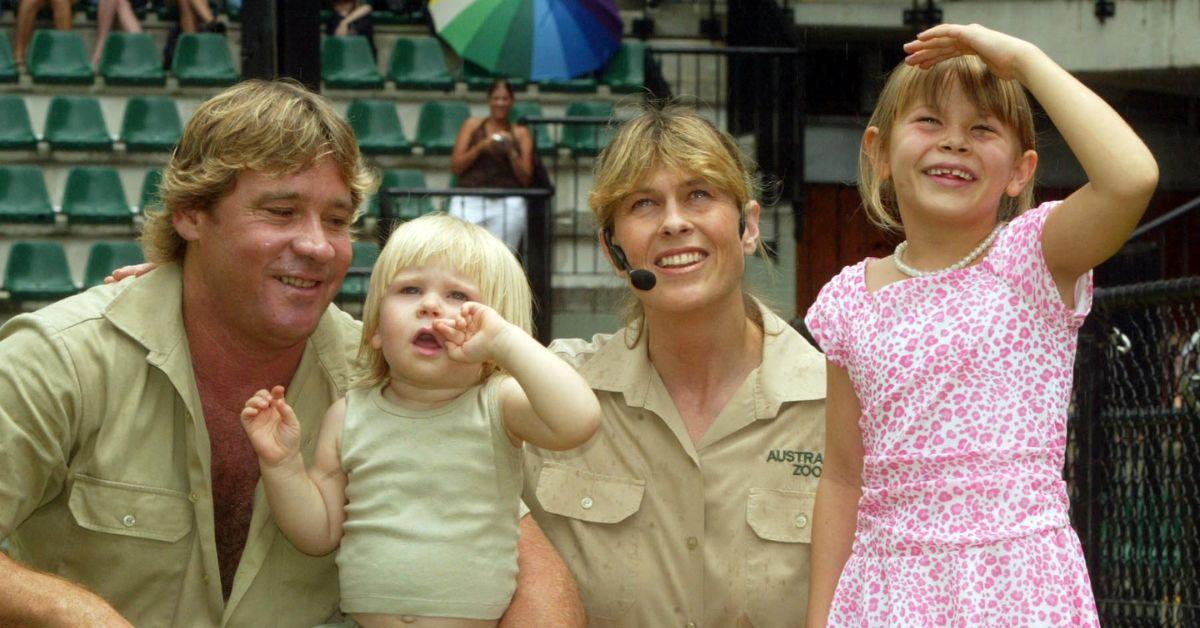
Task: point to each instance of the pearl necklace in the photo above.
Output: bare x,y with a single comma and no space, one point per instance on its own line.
962,263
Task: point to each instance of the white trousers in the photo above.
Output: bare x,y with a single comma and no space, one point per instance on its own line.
502,217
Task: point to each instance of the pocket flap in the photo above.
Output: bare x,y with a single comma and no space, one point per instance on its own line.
570,492
781,515
146,512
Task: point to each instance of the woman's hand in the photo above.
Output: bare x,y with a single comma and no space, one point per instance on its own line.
1002,53
503,142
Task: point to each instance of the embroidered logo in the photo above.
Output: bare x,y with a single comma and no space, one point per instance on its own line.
804,463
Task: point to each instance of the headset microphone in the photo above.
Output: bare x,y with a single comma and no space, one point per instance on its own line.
641,279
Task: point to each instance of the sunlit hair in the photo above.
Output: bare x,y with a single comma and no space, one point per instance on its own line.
466,247
909,86
675,138
271,127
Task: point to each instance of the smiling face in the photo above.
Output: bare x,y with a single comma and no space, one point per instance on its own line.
500,101
951,162
265,262
685,230
414,351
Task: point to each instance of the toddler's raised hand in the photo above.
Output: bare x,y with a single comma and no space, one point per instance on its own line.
272,427
470,336
1000,52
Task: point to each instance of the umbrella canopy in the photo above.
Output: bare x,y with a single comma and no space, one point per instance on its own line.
534,39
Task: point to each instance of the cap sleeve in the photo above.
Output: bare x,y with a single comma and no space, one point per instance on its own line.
1021,262
826,318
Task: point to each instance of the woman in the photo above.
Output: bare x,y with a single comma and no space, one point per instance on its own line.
492,152
692,506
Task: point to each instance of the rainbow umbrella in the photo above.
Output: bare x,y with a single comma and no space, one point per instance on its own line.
533,39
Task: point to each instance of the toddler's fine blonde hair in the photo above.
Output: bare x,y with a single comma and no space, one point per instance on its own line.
272,127
472,251
908,86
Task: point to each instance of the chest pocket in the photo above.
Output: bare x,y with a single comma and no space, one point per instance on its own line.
145,512
778,556
601,542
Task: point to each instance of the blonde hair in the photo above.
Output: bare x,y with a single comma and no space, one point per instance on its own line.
273,127
671,136
908,86
472,251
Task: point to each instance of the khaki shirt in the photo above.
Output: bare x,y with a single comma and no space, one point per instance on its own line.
105,461
661,533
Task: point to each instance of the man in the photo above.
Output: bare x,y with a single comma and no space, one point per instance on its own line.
125,470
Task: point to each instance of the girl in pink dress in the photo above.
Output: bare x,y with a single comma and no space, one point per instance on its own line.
942,501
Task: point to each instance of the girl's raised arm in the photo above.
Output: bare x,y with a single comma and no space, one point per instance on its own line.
1095,221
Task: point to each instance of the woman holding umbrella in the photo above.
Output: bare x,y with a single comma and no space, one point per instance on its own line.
492,152
692,505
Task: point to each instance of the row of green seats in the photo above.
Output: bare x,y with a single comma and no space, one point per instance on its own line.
59,57
92,195
354,288
149,124
419,63
38,271
377,126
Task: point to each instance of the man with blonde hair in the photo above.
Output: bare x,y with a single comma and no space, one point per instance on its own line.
126,472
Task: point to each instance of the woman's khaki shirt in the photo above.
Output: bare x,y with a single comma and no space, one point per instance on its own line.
660,532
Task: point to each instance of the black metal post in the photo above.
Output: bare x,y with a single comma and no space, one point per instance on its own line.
278,41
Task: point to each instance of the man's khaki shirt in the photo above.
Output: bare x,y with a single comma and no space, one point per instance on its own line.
105,461
661,533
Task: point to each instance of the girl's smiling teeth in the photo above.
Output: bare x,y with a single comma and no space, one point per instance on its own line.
953,172
296,282
679,260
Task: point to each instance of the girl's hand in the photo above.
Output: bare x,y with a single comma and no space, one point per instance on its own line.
471,336
272,427
1002,53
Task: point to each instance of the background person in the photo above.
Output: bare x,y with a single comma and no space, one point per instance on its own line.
492,152
692,505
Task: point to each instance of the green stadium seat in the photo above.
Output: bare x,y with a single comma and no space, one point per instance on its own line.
479,79
437,128
16,132
354,288
203,59
347,63
587,139
541,132
38,271
377,127
23,197
625,72
150,124
131,59
405,207
59,57
75,123
8,67
94,195
149,196
582,85
419,63
105,257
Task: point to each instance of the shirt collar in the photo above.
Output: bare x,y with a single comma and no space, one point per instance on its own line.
791,369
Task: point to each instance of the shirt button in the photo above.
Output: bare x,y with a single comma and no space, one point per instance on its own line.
408,619
693,543
801,521
586,502
193,497
690,624
128,520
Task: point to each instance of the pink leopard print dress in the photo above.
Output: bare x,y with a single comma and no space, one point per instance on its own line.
964,380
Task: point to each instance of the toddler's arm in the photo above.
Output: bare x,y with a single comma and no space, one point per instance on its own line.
308,505
838,491
546,403
1094,222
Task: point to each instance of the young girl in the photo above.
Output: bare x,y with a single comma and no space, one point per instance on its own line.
417,472
950,362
